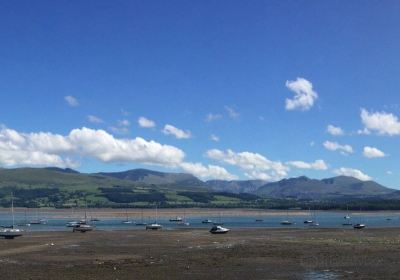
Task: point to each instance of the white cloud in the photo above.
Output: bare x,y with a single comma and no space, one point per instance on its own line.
119,129
345,171
214,137
255,165
232,113
334,130
94,119
317,165
334,146
212,117
304,97
207,172
33,149
372,152
71,101
389,172
45,148
178,133
124,122
48,149
146,123
380,122
103,146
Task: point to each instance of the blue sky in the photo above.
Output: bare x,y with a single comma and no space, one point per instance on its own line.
221,68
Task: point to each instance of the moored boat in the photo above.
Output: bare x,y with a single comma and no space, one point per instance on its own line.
219,230
11,232
359,226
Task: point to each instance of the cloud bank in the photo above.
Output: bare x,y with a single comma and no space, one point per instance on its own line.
48,149
254,165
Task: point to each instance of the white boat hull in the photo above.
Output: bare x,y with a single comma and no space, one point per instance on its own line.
153,227
10,233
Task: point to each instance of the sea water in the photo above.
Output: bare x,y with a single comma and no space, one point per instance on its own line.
326,219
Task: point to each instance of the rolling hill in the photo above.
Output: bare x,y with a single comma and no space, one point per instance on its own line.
151,177
141,187
331,188
235,186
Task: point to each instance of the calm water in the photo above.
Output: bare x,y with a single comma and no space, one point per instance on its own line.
326,219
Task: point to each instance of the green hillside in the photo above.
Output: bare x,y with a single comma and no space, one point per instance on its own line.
55,187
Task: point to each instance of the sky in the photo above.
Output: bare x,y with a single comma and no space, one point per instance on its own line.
220,89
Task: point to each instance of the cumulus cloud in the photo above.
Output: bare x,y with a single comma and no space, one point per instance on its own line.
380,122
94,119
178,133
334,130
319,164
33,149
304,97
372,152
71,101
334,146
48,149
255,165
206,172
146,123
345,171
212,117
103,146
214,137
232,113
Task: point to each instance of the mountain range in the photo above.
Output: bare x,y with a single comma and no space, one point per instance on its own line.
296,188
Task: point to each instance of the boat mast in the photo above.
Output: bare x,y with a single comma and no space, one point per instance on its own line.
156,213
12,209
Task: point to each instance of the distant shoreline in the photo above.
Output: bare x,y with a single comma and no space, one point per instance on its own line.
173,212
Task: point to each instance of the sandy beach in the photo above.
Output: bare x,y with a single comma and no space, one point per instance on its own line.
196,254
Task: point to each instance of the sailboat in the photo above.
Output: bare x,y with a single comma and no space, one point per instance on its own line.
155,225
259,219
82,226
11,232
25,223
219,223
94,219
314,222
176,219
347,219
72,222
359,225
37,221
309,221
183,222
287,222
127,221
141,223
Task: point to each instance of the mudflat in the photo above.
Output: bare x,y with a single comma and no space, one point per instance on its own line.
196,254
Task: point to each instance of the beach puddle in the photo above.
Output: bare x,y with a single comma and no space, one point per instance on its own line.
321,275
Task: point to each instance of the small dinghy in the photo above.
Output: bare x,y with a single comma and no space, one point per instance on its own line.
359,226
219,230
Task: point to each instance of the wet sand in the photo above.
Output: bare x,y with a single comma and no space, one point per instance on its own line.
196,254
